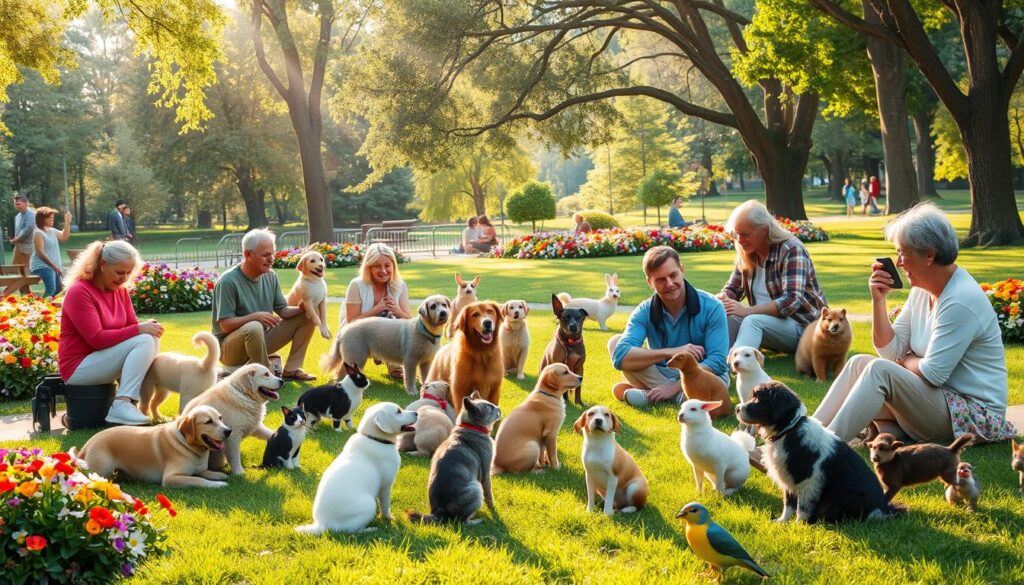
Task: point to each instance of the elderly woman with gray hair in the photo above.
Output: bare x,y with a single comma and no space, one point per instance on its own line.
941,370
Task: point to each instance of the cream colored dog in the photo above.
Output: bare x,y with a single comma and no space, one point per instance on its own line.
515,336
174,454
187,375
597,309
611,471
311,290
241,399
465,296
436,420
748,365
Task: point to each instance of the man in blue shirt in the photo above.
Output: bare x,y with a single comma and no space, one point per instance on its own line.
675,218
677,318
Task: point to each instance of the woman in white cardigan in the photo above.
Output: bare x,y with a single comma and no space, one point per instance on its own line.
378,291
941,370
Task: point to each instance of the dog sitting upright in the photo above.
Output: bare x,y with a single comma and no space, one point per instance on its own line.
335,401
824,345
898,465
514,336
434,423
598,309
311,290
567,345
465,296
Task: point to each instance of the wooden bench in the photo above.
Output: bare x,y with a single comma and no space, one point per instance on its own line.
15,277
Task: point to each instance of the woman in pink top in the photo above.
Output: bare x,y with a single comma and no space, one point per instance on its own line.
101,340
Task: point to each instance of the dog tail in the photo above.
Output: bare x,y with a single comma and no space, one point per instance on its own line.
330,363
961,443
743,439
311,529
77,457
418,518
564,298
206,338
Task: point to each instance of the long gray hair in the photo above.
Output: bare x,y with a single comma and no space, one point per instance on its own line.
114,252
757,214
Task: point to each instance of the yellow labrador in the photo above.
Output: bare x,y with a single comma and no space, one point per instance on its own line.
311,290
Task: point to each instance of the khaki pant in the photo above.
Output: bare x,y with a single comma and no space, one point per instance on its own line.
251,344
875,389
644,378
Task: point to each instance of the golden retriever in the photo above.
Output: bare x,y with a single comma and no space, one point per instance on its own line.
187,375
241,398
473,360
311,291
174,454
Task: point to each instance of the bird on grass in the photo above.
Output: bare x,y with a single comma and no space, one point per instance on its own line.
714,544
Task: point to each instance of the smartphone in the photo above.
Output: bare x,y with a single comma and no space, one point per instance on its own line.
888,266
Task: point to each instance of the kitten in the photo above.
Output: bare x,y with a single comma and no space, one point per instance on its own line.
283,446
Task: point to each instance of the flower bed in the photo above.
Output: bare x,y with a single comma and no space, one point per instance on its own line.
337,255
805,230
161,289
632,241
1006,296
62,526
29,330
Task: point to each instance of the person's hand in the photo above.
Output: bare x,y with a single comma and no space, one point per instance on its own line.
696,351
390,304
151,327
663,392
735,308
880,283
721,296
911,362
266,318
381,306
67,217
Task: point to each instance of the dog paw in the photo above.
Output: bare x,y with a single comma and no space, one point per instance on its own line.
520,377
473,521
216,484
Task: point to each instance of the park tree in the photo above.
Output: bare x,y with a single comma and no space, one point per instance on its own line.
471,185
661,187
531,201
992,39
124,174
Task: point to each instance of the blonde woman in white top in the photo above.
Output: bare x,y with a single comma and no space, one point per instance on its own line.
378,291
941,370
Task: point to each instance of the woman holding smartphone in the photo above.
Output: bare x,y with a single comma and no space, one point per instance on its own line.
941,366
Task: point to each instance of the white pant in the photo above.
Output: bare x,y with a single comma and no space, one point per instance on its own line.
128,360
875,389
765,331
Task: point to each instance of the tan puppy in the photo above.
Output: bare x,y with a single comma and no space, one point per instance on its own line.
473,360
701,384
174,454
241,399
311,290
610,469
515,336
824,345
465,295
174,372
528,439
434,423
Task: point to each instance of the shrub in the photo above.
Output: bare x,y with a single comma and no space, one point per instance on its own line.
61,526
1006,296
659,188
600,220
530,202
336,255
569,205
29,331
161,289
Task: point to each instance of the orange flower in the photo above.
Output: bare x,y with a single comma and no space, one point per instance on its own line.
93,527
28,488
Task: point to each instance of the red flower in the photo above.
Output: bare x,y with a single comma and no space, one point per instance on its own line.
140,508
166,504
102,516
62,457
6,485
209,285
26,362
64,468
34,339
35,543
35,466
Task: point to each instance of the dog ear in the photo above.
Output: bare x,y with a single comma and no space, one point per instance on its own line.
578,425
462,321
458,279
526,308
544,381
584,313
187,427
498,316
423,311
897,444
476,282
506,307
760,357
556,305
351,369
711,405
475,395
616,423
843,311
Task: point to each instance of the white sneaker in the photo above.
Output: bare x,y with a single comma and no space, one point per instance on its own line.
123,412
636,397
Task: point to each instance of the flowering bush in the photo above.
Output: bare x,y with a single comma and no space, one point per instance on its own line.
1006,297
29,329
58,524
337,255
161,289
805,230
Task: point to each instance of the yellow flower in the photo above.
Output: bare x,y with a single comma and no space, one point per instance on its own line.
84,495
47,471
93,527
52,345
1014,310
28,488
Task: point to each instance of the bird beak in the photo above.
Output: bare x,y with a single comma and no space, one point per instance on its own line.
680,513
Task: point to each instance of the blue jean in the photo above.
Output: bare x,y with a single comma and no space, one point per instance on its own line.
51,280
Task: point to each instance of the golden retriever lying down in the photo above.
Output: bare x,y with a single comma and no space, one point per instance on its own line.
174,454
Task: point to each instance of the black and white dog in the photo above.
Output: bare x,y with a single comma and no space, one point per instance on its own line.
283,446
822,478
335,401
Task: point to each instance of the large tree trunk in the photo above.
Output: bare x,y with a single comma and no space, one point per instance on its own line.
255,209
889,68
925,153
782,171
314,180
836,168
995,220
204,219
709,164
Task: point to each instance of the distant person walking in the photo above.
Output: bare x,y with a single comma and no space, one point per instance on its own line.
115,220
129,224
874,192
46,262
850,194
24,227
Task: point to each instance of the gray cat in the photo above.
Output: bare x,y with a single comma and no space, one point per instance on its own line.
460,471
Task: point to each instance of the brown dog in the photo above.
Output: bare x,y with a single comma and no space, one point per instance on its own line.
701,384
898,465
173,454
566,347
473,360
824,345
528,439
611,471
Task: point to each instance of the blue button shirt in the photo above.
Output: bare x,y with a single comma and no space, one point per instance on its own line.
675,219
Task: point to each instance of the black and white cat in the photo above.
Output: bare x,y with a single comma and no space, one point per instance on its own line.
283,446
335,401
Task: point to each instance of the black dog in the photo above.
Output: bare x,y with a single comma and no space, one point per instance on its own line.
822,478
567,345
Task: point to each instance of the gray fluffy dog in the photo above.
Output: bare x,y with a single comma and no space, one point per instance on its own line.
410,342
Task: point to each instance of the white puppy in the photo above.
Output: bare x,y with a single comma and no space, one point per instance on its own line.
723,459
362,475
597,309
311,290
748,365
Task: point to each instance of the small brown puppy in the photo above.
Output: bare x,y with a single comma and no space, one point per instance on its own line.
898,466
473,360
701,384
967,490
824,345
1017,463
610,468
528,439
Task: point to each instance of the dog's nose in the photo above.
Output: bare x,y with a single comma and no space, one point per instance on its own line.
443,315
488,325
227,433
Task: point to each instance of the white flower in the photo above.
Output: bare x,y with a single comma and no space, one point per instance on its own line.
137,543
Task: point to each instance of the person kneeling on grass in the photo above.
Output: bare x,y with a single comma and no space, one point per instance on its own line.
251,317
677,318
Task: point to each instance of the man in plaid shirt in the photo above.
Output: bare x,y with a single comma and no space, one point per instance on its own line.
774,273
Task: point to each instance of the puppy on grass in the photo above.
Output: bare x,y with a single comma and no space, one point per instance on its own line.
898,466
1017,463
435,422
611,471
748,365
824,345
174,372
514,336
967,490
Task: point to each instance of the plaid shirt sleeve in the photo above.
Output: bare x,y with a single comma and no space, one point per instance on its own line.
795,270
734,288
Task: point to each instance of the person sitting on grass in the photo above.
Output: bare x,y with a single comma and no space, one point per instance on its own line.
675,218
488,235
582,225
677,318
251,317
470,236
378,291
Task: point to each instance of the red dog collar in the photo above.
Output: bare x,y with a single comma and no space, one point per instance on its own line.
476,428
440,401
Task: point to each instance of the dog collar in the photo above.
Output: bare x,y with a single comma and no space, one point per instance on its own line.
423,328
378,439
440,401
789,427
477,428
548,394
571,342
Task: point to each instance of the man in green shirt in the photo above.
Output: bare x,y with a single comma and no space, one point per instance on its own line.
251,317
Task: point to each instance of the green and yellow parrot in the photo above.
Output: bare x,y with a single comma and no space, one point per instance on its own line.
713,543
